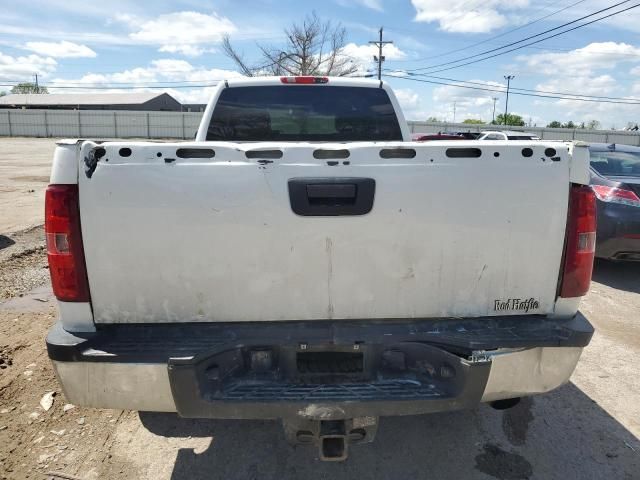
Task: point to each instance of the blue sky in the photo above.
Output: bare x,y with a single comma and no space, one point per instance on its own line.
122,43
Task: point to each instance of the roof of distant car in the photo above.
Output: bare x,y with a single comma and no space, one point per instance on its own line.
435,136
511,133
613,147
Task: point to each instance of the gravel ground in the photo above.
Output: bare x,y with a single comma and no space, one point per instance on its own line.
24,262
588,429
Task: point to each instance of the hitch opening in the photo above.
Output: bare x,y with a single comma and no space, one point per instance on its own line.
333,440
333,449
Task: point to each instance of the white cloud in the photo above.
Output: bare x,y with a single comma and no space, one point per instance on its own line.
398,73
411,103
466,96
585,85
128,19
477,104
365,53
362,55
580,111
186,50
93,37
586,66
21,68
163,70
372,4
409,99
460,16
179,32
595,56
63,49
76,7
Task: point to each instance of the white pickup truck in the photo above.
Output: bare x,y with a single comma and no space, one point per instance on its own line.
303,260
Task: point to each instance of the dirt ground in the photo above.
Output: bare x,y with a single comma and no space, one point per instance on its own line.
25,166
588,429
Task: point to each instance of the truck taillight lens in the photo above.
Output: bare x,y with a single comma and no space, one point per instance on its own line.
64,244
580,242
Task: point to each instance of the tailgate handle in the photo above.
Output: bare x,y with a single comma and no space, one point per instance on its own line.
331,196
331,193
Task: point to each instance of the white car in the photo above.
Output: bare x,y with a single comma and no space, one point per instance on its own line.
304,260
507,135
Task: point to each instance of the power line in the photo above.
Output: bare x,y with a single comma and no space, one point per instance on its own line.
524,39
458,83
424,75
556,49
546,48
529,38
514,93
537,41
505,33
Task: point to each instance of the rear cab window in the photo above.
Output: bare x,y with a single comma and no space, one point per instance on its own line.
304,113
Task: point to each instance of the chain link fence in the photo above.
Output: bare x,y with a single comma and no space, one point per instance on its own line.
183,125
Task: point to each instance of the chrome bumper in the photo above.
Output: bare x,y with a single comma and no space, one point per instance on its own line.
146,387
253,370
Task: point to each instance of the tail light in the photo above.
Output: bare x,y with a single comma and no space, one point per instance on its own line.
580,242
304,80
64,244
616,195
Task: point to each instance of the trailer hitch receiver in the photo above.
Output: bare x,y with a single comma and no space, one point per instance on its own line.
332,437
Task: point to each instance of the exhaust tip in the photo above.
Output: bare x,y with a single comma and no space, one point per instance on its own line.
505,403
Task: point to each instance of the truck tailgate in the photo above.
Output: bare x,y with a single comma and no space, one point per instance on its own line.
174,234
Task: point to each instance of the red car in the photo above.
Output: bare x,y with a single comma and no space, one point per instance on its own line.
423,137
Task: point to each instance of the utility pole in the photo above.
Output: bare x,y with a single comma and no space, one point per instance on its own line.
508,78
37,87
379,58
454,111
493,119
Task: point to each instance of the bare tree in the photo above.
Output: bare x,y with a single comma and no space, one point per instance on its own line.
314,47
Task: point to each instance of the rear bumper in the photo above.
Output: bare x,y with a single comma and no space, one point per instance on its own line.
214,371
619,248
618,236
